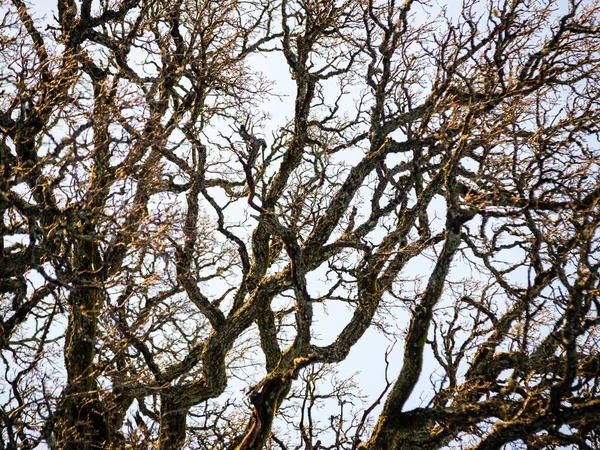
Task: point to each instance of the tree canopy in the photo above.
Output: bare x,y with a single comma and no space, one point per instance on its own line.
191,191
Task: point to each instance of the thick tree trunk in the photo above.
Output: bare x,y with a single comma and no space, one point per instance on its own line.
82,422
172,425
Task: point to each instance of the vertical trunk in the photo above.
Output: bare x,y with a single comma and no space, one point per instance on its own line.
172,425
83,419
82,422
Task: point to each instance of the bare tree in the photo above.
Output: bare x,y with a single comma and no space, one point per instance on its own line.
166,241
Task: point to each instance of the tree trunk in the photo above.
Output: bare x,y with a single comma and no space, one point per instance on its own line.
266,399
172,425
82,422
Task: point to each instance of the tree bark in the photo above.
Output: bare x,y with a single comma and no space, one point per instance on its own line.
172,425
82,420
265,399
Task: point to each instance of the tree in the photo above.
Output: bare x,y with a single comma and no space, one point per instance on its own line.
164,236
